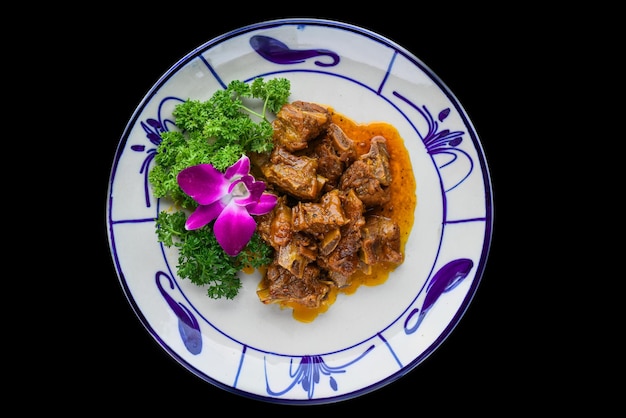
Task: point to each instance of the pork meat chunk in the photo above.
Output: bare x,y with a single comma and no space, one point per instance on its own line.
299,122
370,176
292,174
380,241
281,286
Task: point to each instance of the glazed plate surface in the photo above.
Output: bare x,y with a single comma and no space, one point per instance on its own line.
368,339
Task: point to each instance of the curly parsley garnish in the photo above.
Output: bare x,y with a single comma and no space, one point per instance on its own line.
217,131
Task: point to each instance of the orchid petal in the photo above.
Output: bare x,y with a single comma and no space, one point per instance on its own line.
240,168
256,188
203,183
264,205
253,191
234,228
203,215
246,180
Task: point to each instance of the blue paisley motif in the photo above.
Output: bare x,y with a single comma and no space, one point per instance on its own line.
188,326
277,52
446,279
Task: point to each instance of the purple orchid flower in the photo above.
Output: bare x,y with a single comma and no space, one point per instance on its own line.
231,198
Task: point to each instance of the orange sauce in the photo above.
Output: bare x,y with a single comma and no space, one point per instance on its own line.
400,208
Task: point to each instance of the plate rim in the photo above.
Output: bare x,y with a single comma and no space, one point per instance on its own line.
487,182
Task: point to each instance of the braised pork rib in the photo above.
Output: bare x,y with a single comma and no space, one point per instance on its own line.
323,228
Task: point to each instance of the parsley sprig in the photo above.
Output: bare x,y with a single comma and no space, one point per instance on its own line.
217,131
203,261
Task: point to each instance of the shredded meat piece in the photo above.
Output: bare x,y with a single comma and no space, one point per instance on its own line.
343,146
381,241
275,227
293,174
282,286
329,165
344,259
319,218
297,254
299,122
369,176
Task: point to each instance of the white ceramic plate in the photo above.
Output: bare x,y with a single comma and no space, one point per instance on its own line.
365,340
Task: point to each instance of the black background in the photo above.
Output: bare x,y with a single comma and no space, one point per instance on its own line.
481,58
